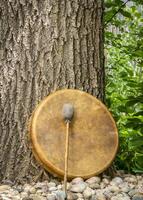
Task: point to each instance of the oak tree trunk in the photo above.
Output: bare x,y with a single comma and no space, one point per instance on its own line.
45,45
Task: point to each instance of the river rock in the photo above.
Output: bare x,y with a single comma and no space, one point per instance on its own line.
40,185
52,189
100,197
137,197
4,187
37,197
105,181
51,197
77,180
51,184
94,179
116,181
24,195
88,192
114,188
79,188
131,179
132,192
94,186
72,196
124,187
60,195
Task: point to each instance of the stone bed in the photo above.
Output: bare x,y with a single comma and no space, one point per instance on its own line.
96,188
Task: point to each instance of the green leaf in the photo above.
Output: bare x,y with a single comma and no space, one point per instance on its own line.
125,13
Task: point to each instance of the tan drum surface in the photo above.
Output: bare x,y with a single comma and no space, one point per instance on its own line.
93,139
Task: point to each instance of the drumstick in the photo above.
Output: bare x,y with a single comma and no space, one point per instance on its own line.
68,112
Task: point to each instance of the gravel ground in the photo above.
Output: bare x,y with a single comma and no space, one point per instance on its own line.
96,188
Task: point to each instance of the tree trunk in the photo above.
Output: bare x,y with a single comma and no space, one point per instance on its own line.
45,45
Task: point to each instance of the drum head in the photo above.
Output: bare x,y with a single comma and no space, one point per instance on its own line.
93,139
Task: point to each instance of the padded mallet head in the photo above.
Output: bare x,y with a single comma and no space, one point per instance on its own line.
68,111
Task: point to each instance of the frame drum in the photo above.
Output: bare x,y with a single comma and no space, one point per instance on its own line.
93,137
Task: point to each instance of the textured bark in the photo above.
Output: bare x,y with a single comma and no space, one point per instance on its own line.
45,45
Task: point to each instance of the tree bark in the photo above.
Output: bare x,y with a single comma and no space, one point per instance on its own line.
45,45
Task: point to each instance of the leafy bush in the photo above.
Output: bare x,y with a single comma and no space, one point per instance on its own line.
124,83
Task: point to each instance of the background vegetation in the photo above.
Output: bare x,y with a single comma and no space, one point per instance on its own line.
124,83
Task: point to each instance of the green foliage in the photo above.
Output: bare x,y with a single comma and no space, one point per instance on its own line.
124,82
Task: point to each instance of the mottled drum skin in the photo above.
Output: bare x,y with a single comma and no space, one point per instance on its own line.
93,140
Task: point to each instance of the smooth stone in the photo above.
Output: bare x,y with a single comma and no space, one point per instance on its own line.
132,192
51,184
19,188
13,192
32,190
102,185
77,180
60,195
24,194
140,190
26,188
72,196
93,197
52,189
87,192
116,181
139,177
80,195
94,186
100,197
108,194
5,198
120,197
131,179
40,185
4,187
131,185
7,182
39,192
51,197
124,187
105,181
79,188
94,179
16,198
137,197
114,188
37,197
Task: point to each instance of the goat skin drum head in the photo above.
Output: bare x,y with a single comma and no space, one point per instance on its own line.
93,137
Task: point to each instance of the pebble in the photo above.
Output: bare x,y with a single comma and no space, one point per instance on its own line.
79,187
94,186
137,197
116,181
126,187
52,189
114,188
131,193
51,197
77,180
37,197
88,192
72,196
94,179
131,179
4,187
